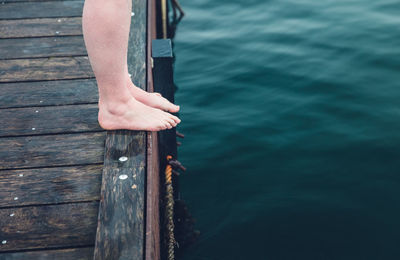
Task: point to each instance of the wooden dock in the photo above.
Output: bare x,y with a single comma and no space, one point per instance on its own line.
69,189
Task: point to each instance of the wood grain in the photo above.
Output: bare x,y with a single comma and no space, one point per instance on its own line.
48,93
49,120
50,185
84,253
120,229
39,27
51,150
152,238
12,1
47,9
42,47
52,68
120,224
48,226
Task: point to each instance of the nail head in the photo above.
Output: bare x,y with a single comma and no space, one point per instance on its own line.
123,159
123,177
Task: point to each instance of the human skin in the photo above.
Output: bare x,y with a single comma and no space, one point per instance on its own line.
122,105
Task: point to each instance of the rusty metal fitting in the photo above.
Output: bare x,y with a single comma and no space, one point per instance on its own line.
180,135
176,172
176,164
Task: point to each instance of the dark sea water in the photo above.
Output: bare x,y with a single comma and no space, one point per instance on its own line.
291,111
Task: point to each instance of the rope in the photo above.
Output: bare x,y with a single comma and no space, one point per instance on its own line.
169,209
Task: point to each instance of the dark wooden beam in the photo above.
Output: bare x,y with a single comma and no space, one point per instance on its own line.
163,83
120,229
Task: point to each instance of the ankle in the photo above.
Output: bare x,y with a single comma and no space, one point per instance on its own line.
116,107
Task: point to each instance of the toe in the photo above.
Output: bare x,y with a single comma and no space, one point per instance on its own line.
171,107
172,122
176,119
169,125
174,108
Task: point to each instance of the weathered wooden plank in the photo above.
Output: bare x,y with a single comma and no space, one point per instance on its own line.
41,9
42,47
122,197
12,1
152,239
48,93
40,27
45,69
81,253
121,214
50,185
121,210
48,120
63,225
51,150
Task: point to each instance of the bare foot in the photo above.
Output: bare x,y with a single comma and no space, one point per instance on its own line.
133,115
151,99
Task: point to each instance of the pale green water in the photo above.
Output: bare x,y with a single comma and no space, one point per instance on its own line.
291,111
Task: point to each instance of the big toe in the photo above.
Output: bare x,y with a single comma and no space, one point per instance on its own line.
170,107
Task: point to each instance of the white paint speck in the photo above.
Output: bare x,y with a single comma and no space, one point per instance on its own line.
37,111
132,14
33,128
59,20
12,215
4,242
41,101
130,75
123,177
21,174
57,32
15,198
123,159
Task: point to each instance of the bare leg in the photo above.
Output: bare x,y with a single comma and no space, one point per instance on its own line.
105,25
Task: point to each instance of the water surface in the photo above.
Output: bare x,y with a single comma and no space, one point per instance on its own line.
291,111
